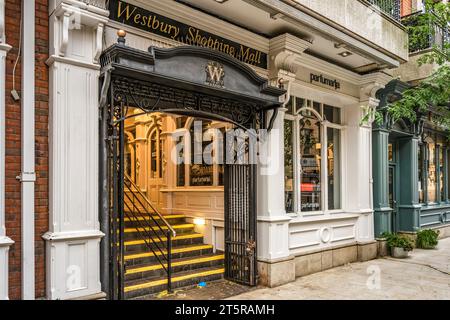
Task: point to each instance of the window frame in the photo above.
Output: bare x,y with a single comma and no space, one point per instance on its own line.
295,117
444,146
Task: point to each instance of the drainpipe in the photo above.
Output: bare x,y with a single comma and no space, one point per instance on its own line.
28,176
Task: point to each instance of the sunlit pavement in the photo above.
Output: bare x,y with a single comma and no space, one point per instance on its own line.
424,275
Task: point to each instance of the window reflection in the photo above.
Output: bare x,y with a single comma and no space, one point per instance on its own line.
304,144
311,164
441,173
289,165
334,168
420,187
431,183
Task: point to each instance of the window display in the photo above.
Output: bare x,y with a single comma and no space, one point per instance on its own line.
315,146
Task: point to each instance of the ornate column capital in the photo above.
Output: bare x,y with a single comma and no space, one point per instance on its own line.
371,83
284,51
72,15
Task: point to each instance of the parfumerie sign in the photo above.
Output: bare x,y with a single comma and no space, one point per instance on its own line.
321,79
149,21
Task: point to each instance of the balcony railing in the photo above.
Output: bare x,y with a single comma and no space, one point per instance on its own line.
438,35
390,7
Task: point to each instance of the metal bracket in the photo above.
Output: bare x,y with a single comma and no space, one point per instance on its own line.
27,177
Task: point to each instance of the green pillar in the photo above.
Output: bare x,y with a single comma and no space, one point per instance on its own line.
382,210
409,208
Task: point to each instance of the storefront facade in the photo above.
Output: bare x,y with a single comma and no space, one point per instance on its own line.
312,211
410,170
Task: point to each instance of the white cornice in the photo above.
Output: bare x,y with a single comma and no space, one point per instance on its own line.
289,42
205,22
75,235
5,242
52,59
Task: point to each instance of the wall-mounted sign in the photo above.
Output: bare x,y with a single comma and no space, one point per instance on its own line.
321,79
143,19
215,74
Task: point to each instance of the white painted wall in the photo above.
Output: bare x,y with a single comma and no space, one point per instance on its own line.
72,242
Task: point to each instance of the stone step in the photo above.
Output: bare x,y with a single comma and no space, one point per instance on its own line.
156,269
144,287
147,256
138,245
134,234
138,220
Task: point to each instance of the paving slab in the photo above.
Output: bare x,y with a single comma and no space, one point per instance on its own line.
424,275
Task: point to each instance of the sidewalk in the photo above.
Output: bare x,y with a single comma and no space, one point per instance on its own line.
424,275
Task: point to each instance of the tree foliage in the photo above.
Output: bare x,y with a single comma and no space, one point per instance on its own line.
432,93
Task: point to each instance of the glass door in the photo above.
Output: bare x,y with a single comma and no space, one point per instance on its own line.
393,196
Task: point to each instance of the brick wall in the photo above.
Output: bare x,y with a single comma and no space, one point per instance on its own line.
406,7
13,146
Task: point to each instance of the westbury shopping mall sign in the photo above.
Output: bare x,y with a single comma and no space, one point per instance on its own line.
143,19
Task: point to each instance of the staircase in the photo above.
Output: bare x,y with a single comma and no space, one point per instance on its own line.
192,260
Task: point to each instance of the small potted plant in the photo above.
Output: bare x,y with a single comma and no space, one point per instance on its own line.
427,239
399,245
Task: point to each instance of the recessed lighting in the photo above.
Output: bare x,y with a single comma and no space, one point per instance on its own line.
199,221
345,54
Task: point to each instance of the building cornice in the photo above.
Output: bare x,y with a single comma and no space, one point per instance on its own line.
204,21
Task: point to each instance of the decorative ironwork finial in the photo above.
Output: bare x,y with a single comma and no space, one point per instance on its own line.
121,34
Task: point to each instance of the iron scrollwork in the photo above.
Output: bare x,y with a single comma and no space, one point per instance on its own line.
153,97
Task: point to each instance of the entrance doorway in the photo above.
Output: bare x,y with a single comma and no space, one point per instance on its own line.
393,183
393,196
135,210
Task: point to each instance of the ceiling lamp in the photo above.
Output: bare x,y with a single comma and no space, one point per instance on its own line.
345,54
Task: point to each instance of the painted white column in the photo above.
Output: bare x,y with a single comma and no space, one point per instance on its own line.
72,242
359,171
5,242
359,160
273,222
28,175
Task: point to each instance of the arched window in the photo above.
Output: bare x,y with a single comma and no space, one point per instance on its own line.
156,155
312,134
130,155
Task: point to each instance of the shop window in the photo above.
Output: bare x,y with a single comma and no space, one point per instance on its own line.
311,156
312,150
390,152
289,165
421,173
431,170
199,173
441,174
334,168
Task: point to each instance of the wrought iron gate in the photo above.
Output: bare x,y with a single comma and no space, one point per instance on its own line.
240,223
173,81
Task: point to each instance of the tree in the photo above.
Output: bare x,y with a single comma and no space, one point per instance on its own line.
433,93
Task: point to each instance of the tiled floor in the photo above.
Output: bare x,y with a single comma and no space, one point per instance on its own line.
215,290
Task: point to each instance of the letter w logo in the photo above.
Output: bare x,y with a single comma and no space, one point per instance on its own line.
215,74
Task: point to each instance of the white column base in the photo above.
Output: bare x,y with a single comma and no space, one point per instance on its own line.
73,264
5,243
273,237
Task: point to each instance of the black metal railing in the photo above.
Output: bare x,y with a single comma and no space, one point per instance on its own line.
436,35
140,210
390,7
